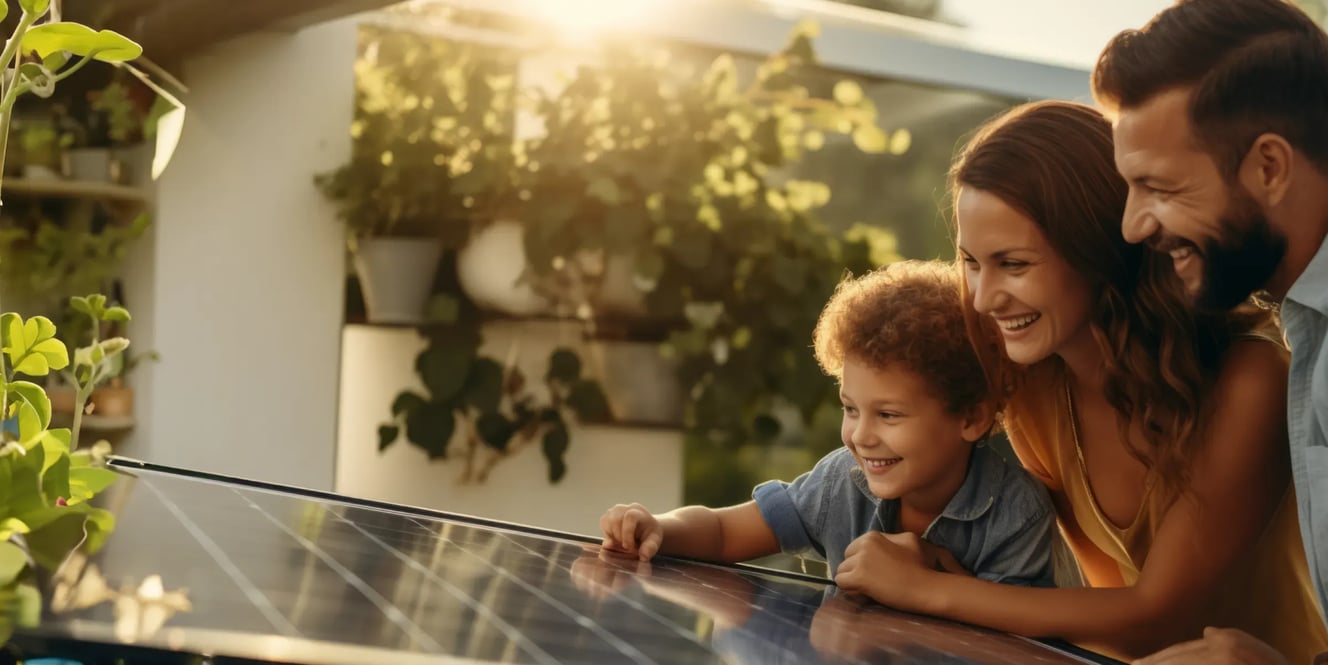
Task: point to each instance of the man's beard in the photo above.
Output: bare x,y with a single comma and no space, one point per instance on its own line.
1243,259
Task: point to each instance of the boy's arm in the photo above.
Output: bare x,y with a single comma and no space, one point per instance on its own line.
735,533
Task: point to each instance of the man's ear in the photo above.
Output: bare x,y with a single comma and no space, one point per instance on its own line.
1266,170
977,421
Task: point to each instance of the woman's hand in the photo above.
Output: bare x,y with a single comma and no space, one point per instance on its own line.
1219,646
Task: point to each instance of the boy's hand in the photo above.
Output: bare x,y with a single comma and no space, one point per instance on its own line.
887,566
631,529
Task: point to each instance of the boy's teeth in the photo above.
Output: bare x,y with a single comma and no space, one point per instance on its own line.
881,463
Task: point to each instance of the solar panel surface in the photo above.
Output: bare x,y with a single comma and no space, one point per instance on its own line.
240,571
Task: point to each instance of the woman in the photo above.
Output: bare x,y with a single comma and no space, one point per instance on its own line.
1161,434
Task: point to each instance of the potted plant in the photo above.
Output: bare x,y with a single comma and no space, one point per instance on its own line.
487,408
430,159
675,180
115,126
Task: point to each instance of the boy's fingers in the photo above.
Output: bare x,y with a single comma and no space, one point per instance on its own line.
650,545
628,531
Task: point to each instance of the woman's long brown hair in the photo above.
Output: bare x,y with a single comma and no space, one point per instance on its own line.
1053,161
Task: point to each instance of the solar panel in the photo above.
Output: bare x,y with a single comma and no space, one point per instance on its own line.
240,571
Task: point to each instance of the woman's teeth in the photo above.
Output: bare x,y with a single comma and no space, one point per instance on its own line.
1181,253
881,463
1018,323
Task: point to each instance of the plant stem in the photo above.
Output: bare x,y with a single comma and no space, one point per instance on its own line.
80,398
11,89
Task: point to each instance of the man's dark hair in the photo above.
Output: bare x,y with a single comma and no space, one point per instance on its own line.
1254,66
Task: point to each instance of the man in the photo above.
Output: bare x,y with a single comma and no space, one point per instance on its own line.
1221,111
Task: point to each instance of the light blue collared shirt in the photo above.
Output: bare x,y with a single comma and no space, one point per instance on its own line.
1305,319
999,525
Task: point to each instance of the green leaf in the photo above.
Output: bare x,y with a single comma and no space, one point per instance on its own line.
88,481
80,40
871,139
10,526
4,11
40,80
12,562
31,345
406,402
588,401
55,482
99,526
53,62
36,8
80,304
848,92
554,448
430,429
495,430
564,365
32,395
116,314
484,386
443,370
387,435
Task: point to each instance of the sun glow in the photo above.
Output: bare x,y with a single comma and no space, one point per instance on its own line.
587,17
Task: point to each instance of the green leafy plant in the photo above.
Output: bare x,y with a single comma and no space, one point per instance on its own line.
432,138
491,405
46,479
45,260
683,176
40,55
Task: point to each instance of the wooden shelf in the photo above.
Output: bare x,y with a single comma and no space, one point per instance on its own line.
73,189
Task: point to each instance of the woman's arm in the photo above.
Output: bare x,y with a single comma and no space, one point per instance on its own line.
1236,484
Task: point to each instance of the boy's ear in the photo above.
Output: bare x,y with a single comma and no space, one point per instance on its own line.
977,421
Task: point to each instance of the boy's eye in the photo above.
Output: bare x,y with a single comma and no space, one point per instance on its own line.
849,410
1014,265
888,415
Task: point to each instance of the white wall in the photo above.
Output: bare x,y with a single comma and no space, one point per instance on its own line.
247,264
605,464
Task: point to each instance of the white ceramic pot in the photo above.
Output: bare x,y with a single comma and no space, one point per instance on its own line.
396,275
490,269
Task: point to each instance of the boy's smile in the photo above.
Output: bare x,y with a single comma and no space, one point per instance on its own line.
908,445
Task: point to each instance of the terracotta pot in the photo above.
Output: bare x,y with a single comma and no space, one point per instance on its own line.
115,400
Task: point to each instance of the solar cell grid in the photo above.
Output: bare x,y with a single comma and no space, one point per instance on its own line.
246,571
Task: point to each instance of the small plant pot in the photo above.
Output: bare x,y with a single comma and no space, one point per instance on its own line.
396,275
89,164
112,401
62,399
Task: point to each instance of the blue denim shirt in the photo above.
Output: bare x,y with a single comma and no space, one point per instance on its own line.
1305,318
998,525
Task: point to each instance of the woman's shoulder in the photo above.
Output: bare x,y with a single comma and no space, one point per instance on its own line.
1254,361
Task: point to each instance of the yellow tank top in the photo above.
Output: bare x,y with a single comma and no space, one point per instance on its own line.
1271,599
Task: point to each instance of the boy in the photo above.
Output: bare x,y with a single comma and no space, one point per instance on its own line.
916,411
